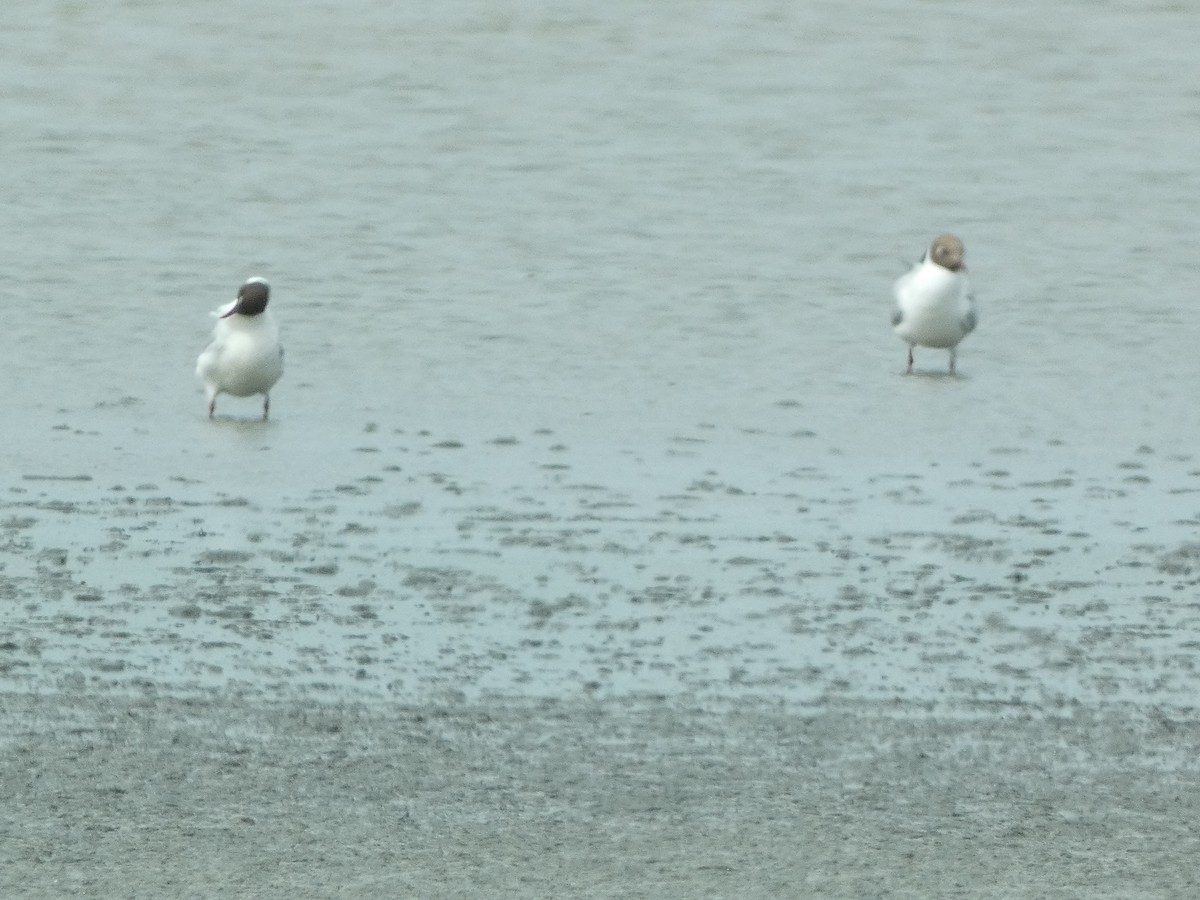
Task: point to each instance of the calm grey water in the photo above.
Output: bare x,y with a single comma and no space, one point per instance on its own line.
591,384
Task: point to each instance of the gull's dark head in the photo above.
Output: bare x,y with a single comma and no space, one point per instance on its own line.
251,298
947,251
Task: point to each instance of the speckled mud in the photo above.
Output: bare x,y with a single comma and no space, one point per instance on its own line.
438,568
691,676
152,797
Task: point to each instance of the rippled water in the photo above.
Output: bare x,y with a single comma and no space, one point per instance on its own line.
590,378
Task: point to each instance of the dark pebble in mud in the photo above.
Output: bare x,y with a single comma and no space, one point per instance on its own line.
324,569
225,557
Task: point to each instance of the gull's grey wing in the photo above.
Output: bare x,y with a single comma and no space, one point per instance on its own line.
971,319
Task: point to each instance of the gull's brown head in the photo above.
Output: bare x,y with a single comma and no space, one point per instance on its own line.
947,251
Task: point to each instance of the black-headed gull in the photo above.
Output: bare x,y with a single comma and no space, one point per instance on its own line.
933,300
245,357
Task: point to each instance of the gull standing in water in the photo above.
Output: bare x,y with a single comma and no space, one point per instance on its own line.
933,301
245,356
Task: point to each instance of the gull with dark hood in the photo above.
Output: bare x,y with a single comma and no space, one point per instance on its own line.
245,357
934,307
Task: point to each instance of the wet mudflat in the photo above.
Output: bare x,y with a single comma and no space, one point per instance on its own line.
141,797
686,674
515,565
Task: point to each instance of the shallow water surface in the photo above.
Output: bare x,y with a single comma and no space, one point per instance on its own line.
590,386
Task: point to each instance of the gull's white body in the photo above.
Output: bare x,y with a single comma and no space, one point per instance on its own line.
244,358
